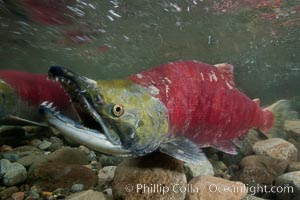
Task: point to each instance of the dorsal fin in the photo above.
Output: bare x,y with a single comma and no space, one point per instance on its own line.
257,101
227,71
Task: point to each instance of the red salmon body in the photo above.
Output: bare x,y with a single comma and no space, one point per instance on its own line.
35,88
203,103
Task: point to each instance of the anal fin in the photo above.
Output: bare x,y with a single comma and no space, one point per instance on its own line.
227,146
183,149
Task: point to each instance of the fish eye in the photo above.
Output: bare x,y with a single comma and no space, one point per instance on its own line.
118,110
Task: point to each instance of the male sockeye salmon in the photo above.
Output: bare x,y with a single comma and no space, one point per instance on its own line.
176,108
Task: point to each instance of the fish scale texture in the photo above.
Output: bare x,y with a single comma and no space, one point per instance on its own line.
35,88
202,101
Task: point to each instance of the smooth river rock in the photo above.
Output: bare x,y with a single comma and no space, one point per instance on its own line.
214,188
12,173
257,169
106,175
62,169
156,176
293,128
203,168
276,148
88,195
290,185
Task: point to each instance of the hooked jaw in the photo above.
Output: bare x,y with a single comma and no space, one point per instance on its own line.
80,134
79,89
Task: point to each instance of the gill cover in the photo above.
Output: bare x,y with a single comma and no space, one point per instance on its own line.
139,119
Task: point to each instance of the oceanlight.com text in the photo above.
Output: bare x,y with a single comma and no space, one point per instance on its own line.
213,188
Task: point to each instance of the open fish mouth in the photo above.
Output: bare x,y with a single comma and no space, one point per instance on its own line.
78,88
76,92
80,134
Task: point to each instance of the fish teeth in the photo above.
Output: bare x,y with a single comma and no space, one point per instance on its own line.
45,103
49,105
132,135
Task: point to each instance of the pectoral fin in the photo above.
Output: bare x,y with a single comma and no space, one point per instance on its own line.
182,149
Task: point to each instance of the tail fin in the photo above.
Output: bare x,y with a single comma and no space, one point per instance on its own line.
268,121
280,111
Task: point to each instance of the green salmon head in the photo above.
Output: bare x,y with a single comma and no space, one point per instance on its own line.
123,111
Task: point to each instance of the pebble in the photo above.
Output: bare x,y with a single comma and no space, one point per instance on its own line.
18,196
27,161
84,149
60,192
5,148
57,140
290,182
8,192
214,188
33,194
63,155
77,188
108,192
203,168
35,142
106,175
44,145
251,197
107,160
54,147
276,148
89,194
256,169
57,143
145,177
293,128
12,157
220,170
27,151
92,156
12,173
68,155
46,194
95,165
